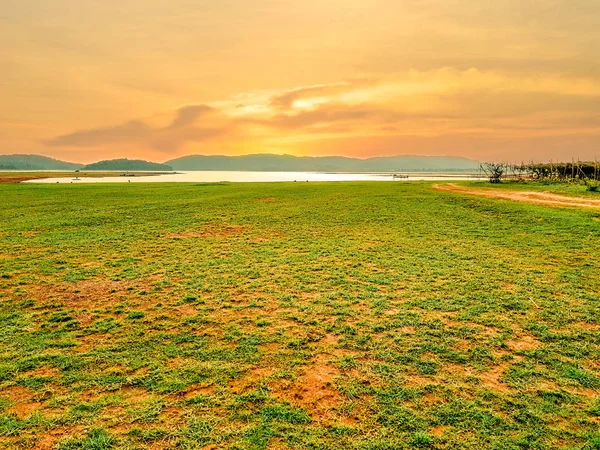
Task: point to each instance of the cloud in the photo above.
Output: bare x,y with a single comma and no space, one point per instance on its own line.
286,99
442,103
130,131
182,129
187,115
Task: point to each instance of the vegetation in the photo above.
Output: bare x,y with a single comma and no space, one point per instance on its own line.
494,171
128,164
316,316
562,172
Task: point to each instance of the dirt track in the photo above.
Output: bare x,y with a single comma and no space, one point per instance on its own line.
18,177
539,198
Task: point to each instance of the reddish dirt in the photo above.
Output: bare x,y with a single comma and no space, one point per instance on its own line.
314,390
491,379
18,177
134,396
538,198
195,390
50,438
524,342
83,294
9,179
22,402
440,430
187,310
586,326
330,339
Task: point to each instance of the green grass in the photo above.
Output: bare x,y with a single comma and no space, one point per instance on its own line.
317,316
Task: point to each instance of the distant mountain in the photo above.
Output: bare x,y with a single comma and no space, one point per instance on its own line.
289,163
258,162
128,164
34,162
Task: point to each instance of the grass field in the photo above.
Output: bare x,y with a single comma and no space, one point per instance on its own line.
296,316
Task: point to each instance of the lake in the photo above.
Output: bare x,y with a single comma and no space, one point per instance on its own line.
255,177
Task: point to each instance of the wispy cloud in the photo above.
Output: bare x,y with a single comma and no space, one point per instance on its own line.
431,104
183,128
127,132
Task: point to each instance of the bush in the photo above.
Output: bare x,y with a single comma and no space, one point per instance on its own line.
136,315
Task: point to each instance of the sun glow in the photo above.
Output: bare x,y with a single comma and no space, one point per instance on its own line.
328,76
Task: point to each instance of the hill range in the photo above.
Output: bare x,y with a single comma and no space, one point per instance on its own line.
256,162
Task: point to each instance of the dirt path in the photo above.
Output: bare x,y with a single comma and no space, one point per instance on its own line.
18,177
539,198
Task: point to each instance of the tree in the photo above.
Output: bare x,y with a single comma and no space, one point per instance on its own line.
494,171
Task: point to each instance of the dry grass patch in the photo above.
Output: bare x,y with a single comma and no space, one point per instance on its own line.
210,230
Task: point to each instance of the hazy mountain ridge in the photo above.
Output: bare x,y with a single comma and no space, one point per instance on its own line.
35,162
128,164
255,162
289,163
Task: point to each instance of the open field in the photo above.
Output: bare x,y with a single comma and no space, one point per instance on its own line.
296,316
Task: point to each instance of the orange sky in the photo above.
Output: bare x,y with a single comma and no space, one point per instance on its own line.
84,80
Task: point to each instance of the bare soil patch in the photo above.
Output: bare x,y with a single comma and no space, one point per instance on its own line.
49,439
18,177
195,390
83,294
538,198
587,326
22,401
187,310
491,379
524,342
7,179
440,430
314,390
330,339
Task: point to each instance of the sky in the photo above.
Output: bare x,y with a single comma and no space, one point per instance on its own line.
510,80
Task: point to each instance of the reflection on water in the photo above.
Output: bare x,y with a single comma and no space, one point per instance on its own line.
253,177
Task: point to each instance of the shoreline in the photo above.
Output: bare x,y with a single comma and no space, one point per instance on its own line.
19,176
244,177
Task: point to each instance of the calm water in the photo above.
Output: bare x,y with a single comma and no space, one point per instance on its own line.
232,176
